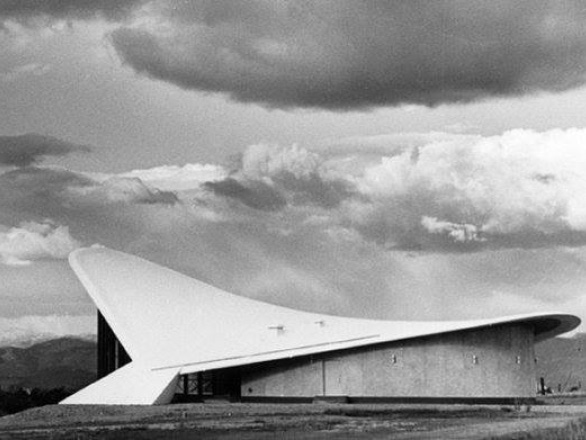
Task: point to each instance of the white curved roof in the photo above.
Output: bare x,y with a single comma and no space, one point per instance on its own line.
168,321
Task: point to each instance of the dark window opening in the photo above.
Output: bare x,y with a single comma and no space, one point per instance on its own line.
111,353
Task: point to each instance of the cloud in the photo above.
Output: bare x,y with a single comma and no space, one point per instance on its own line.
519,189
27,149
271,177
35,69
35,241
112,211
430,227
263,160
254,194
67,9
178,178
457,232
344,54
122,190
33,193
435,193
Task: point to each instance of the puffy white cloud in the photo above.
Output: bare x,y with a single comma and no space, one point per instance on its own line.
521,188
458,232
262,160
35,241
178,178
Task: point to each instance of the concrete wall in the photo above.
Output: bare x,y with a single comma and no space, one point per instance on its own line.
490,362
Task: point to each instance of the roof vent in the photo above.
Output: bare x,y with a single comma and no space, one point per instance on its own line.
280,328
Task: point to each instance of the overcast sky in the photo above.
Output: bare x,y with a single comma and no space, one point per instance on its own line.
383,159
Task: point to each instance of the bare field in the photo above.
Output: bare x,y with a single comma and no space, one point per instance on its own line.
294,421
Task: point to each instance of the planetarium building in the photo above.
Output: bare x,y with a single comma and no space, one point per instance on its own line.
161,332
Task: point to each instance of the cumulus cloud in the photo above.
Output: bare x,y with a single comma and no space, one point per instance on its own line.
122,190
27,149
437,193
179,178
271,177
35,241
434,193
343,54
457,232
263,160
67,9
521,188
413,232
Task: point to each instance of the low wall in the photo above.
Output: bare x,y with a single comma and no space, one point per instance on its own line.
491,362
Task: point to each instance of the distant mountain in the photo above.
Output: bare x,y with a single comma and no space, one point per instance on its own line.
25,339
562,363
63,362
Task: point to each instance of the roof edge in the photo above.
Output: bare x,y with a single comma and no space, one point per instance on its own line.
545,326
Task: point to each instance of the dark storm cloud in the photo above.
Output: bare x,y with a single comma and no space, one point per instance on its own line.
254,194
285,189
67,9
35,194
27,149
314,189
271,178
346,54
37,203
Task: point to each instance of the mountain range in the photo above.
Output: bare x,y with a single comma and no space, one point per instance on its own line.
63,362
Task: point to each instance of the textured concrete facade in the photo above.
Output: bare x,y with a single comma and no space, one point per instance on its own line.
490,362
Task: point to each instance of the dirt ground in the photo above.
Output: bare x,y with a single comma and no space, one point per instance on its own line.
227,421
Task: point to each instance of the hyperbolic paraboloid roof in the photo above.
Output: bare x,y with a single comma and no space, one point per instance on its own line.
171,324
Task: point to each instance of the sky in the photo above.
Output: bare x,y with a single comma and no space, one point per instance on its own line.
379,159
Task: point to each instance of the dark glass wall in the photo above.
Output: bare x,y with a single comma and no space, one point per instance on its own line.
111,353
